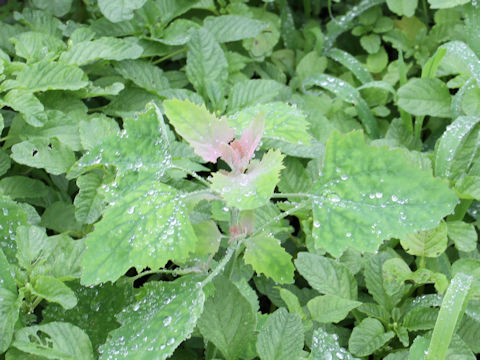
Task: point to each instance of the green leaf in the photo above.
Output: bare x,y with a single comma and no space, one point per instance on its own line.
119,10
95,309
32,246
4,162
25,102
325,346
201,129
310,65
206,62
46,154
22,187
46,75
163,316
37,46
463,235
445,4
223,312
55,340
330,308
351,63
9,303
326,275
403,8
422,97
53,290
60,217
430,243
11,216
89,203
451,161
470,267
105,48
460,58
281,337
58,8
368,336
254,188
95,129
422,318
282,122
227,28
362,196
143,74
255,91
267,256
371,43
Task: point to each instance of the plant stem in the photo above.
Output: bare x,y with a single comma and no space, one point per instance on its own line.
192,173
166,57
221,265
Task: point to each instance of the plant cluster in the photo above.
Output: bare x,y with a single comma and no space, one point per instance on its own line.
239,179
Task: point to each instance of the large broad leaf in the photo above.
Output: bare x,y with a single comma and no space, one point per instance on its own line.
164,315
405,7
11,216
37,46
368,194
227,28
327,276
53,290
143,74
461,58
106,48
368,336
119,10
330,308
445,4
463,235
267,256
207,134
55,340
25,102
425,97
58,8
33,246
223,313
48,75
147,227
9,303
254,188
89,202
281,338
325,346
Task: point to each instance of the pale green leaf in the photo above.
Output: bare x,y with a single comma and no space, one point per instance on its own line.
371,43
445,4
351,63
170,9
119,10
310,65
330,308
53,290
470,267
226,28
255,91
422,318
55,340
4,162
220,320
325,346
58,8
327,275
461,59
163,316
11,216
403,7
368,336
105,48
89,202
422,97
253,188
60,217
281,337
368,194
95,129
46,75
178,32
32,246
25,102
22,187
143,74
37,46
295,178
267,256
430,243
463,235
9,303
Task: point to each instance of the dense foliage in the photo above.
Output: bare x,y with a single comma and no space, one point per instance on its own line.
235,179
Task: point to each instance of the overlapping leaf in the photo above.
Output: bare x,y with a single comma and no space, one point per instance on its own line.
9,303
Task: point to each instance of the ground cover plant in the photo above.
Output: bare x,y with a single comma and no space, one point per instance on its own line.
235,179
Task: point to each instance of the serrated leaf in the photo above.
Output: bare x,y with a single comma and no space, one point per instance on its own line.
11,216
206,62
89,203
58,341
227,28
326,275
95,309
462,234
9,303
25,102
267,256
46,75
255,91
330,308
362,198
46,154
422,97
37,46
163,316
143,74
105,48
281,337
53,290
254,188
201,129
119,10
430,243
223,312
368,336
